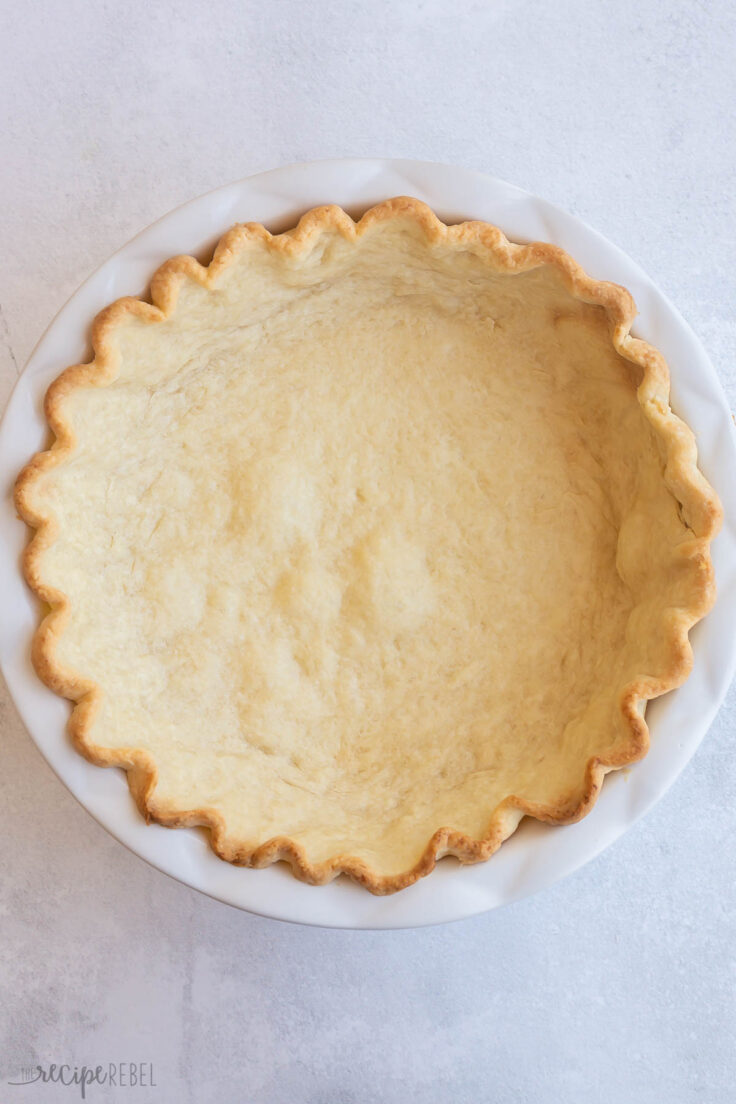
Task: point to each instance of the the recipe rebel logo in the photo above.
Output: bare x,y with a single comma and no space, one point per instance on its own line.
121,1075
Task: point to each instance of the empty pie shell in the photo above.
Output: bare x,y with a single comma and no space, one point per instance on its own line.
365,541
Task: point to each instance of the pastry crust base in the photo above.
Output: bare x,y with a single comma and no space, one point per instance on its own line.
697,502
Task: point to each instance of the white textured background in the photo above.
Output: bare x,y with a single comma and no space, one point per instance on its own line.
618,986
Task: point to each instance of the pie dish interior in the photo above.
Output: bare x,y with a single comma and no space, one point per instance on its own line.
365,541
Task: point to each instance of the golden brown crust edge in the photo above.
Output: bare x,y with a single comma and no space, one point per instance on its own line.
699,503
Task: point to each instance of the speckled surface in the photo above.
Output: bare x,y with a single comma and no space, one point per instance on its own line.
619,984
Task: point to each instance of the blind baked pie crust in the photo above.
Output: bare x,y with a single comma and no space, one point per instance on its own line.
365,541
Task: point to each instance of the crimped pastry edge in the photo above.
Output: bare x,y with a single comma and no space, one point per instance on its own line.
698,502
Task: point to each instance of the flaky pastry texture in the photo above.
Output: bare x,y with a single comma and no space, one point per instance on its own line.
366,540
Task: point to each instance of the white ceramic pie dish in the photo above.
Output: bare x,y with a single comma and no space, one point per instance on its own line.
537,855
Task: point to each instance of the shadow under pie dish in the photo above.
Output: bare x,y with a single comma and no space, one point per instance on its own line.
366,541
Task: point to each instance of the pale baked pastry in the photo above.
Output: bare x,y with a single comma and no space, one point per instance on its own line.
365,541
